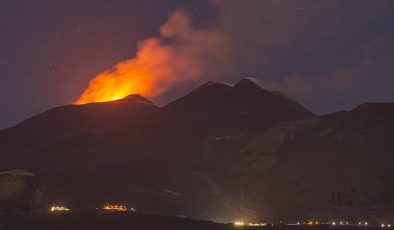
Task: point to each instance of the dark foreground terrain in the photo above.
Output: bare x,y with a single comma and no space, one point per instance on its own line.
124,220
99,220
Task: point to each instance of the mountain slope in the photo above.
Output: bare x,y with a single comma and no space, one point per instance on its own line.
244,107
221,152
75,130
336,165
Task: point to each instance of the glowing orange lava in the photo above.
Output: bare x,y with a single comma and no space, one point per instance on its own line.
123,80
149,74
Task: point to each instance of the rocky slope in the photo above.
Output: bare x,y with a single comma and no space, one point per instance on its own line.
336,165
19,190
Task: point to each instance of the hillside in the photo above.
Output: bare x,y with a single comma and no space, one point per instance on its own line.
221,152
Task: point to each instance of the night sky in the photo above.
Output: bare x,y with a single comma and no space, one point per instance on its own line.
327,55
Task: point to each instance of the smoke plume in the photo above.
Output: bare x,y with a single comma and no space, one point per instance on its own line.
307,49
181,53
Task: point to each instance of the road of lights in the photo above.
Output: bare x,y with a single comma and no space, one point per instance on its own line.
314,222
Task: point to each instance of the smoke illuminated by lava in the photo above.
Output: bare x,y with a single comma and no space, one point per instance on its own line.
185,55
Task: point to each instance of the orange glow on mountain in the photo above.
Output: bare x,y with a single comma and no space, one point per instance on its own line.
180,53
124,79
106,87
148,74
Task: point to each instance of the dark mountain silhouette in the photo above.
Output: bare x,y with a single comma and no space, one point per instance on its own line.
244,107
74,118
221,152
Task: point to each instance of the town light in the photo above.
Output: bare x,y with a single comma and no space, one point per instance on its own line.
120,208
257,224
59,209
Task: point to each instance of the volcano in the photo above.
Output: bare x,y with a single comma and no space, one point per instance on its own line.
221,152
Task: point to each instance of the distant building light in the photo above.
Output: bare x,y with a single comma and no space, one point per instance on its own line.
389,225
239,223
257,224
365,223
333,223
382,225
59,209
120,208
359,223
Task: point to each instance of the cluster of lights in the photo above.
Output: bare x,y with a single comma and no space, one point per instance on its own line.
257,224
342,223
59,209
123,208
347,223
361,223
120,208
241,223
313,222
365,223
